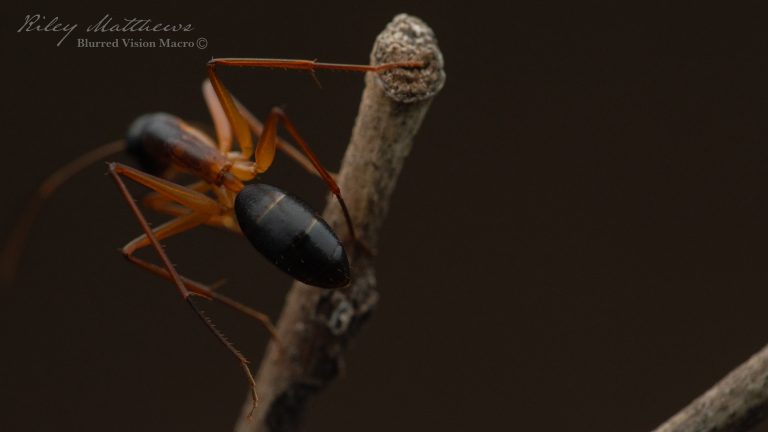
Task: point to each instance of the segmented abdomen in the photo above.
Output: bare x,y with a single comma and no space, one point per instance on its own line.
292,236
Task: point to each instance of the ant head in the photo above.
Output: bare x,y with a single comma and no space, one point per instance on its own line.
139,138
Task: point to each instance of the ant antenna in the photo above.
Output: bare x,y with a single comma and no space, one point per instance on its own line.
9,260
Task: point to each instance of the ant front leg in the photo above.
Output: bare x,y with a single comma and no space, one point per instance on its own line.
224,131
265,155
239,125
202,208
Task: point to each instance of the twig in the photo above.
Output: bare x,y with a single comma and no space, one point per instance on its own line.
736,403
316,325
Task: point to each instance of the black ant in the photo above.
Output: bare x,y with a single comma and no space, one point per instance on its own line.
280,226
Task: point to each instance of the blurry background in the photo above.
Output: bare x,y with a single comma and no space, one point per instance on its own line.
577,242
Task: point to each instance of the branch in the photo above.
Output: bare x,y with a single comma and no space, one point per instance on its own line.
736,403
316,325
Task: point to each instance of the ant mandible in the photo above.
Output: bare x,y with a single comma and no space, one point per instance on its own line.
280,226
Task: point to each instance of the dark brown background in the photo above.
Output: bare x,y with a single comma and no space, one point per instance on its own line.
578,241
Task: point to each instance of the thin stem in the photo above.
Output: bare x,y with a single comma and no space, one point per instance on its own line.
316,325
736,403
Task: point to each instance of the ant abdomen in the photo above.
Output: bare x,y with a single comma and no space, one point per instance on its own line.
292,236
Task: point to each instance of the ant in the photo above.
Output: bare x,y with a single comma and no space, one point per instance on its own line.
280,226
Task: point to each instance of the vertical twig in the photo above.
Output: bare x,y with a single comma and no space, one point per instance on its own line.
316,325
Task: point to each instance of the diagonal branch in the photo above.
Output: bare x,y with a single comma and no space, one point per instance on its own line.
316,325
736,403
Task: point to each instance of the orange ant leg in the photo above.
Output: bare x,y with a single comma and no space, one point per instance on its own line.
194,287
162,204
224,132
202,207
239,125
265,154
220,122
257,127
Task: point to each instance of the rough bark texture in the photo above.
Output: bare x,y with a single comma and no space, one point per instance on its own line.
736,403
316,325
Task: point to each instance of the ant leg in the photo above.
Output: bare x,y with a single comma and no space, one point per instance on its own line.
162,204
177,226
239,126
203,205
257,127
309,65
224,132
265,154
175,192
220,122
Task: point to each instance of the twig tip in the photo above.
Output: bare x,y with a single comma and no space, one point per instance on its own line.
408,38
